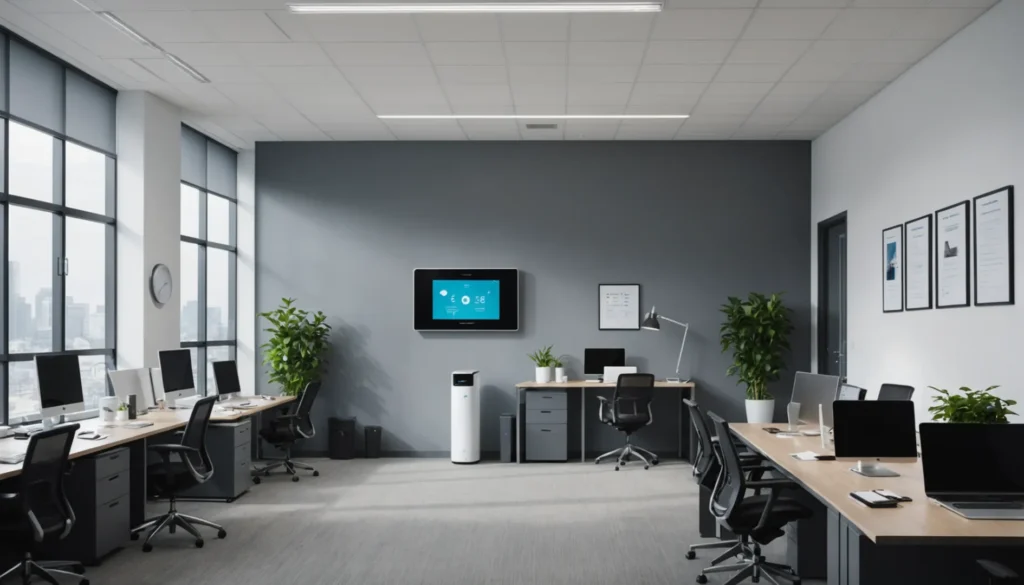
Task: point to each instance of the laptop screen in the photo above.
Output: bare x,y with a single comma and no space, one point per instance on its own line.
972,458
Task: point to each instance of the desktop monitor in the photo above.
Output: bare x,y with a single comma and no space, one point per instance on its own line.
866,431
60,385
226,374
810,390
136,381
176,372
595,360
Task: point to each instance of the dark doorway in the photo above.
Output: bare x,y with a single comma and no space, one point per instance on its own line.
832,348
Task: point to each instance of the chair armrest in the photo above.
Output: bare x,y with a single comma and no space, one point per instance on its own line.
997,571
775,487
9,496
603,401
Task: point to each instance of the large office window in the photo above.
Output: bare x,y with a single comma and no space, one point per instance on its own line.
57,206
207,253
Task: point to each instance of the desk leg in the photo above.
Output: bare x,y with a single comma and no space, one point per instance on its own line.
583,425
137,483
519,425
682,429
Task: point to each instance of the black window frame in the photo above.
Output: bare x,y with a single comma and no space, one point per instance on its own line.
61,213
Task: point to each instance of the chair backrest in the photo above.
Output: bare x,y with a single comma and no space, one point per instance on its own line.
305,406
705,452
731,482
42,482
633,393
851,392
895,392
195,431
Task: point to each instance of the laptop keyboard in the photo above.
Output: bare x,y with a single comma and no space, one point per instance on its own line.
989,505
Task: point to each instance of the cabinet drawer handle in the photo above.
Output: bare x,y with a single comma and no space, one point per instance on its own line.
113,477
545,430
112,457
114,505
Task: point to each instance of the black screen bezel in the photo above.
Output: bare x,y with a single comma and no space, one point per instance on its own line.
423,316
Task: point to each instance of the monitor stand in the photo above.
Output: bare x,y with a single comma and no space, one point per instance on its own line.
868,469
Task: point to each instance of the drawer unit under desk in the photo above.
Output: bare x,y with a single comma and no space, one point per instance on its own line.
98,489
229,446
546,400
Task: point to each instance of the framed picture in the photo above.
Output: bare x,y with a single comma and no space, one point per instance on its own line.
917,269
993,247
892,269
618,306
952,256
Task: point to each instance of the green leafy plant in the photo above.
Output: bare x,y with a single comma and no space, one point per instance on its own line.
297,344
757,331
557,362
973,406
543,357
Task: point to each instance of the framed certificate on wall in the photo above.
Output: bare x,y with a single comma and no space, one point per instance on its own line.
917,268
892,269
993,247
952,256
618,306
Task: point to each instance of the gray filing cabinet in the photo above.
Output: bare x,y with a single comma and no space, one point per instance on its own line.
98,489
229,446
546,424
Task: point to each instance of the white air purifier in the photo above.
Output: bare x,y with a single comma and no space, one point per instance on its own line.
466,417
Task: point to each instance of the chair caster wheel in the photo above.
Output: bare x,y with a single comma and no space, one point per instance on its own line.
222,533
83,582
199,543
147,547
256,480
655,462
135,536
702,579
316,473
616,468
266,473
295,478
690,555
647,466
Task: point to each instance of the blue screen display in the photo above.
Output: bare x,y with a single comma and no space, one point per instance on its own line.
466,299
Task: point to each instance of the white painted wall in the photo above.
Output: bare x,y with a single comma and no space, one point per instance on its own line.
148,225
247,352
949,129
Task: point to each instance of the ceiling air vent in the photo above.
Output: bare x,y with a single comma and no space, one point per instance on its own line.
542,126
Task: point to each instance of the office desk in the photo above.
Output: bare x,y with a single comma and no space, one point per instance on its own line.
919,542
686,391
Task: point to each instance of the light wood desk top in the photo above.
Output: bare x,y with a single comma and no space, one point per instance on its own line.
117,434
919,522
584,384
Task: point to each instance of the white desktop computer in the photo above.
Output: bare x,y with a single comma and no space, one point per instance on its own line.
178,383
466,416
60,386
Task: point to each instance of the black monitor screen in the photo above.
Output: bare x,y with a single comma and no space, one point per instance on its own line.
972,458
176,370
226,374
872,429
596,359
60,380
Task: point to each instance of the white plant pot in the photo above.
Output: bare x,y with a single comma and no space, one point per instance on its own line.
543,375
760,411
122,415
560,374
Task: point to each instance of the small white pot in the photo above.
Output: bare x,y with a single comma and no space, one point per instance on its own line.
760,411
121,415
560,375
543,375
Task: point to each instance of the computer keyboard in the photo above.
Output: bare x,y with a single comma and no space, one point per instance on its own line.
989,505
31,429
12,459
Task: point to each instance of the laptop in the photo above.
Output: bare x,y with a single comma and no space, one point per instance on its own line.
974,469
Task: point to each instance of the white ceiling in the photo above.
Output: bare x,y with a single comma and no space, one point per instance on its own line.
743,69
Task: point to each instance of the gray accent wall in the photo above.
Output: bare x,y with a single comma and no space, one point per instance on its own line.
341,226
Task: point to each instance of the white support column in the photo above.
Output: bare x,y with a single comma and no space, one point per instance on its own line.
148,225
247,352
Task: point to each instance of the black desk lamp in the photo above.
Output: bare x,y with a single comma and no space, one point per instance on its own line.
651,322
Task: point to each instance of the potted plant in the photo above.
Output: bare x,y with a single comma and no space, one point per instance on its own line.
973,406
122,412
543,359
757,331
559,368
296,347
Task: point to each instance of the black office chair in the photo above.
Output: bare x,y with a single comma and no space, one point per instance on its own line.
629,410
895,392
757,519
708,472
181,467
288,429
850,392
39,513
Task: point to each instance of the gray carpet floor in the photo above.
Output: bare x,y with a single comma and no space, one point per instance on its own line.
427,521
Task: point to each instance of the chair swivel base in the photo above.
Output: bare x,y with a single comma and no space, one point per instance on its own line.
289,466
171,521
626,452
48,571
752,566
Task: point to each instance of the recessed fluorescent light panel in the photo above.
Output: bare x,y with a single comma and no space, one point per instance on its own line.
533,116
485,7
137,36
186,68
